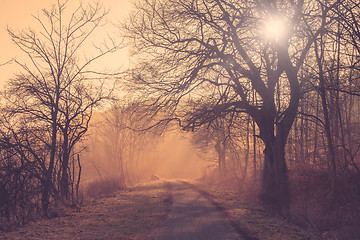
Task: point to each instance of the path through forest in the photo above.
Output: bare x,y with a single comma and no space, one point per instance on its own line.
192,216
146,212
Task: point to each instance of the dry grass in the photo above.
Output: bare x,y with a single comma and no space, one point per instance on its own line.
312,206
128,214
99,188
253,221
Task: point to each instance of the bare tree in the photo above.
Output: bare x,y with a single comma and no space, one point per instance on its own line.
215,135
119,148
335,52
59,88
218,51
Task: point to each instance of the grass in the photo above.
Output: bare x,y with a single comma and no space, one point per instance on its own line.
253,221
128,214
102,187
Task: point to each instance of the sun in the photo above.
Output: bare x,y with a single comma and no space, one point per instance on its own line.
275,29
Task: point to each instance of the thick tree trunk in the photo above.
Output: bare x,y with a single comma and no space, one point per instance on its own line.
45,194
274,131
274,134
275,189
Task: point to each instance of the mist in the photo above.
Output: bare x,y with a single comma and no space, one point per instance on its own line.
133,157
258,101
177,158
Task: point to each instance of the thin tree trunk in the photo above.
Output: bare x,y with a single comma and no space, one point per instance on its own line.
64,180
254,140
254,151
315,156
296,150
330,146
301,141
220,148
79,177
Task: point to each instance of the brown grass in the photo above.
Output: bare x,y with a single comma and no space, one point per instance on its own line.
253,221
128,214
103,187
313,208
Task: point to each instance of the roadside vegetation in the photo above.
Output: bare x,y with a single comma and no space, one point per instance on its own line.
126,214
251,220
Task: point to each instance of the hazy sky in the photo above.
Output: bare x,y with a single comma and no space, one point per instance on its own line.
17,15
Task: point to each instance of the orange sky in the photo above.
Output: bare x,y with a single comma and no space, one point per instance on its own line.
17,15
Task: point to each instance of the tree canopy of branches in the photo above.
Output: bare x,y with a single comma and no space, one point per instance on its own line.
208,59
50,103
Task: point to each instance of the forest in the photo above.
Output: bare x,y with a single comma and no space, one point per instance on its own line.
257,97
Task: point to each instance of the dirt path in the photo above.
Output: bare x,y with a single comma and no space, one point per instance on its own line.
192,216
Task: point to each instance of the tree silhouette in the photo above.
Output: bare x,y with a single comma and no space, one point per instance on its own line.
58,88
203,59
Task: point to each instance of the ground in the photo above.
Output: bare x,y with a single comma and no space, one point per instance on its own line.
193,217
128,214
251,220
155,210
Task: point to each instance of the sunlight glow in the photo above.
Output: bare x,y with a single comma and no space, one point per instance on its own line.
275,29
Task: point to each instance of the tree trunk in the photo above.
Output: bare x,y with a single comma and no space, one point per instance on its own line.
327,124
275,189
78,178
64,181
274,134
220,148
329,141
46,188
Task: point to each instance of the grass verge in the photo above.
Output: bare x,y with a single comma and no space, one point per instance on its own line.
129,214
252,221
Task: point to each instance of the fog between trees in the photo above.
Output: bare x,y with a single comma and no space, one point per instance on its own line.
116,151
209,95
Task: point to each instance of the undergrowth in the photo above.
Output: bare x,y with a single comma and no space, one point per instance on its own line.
128,214
251,220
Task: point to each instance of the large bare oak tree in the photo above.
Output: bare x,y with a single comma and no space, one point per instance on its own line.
203,59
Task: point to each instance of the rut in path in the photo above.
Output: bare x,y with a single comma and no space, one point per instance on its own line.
192,216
